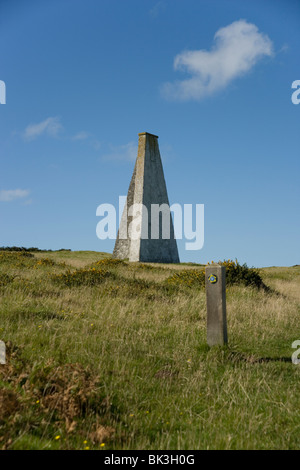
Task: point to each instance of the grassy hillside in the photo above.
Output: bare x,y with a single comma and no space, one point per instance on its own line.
108,355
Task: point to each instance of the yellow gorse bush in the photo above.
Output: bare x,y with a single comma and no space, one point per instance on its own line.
235,274
48,262
228,263
241,274
45,262
188,277
17,259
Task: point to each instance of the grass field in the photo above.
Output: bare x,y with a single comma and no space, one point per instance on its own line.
115,357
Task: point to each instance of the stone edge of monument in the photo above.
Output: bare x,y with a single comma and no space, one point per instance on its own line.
148,133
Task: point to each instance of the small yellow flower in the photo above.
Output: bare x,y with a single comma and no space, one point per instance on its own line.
37,401
131,415
86,448
85,442
57,437
102,445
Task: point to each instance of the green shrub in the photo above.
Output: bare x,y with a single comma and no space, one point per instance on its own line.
235,274
17,259
48,262
45,262
25,250
14,255
242,274
81,277
139,288
5,279
188,277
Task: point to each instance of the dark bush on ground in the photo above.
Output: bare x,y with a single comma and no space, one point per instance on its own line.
242,274
32,249
235,274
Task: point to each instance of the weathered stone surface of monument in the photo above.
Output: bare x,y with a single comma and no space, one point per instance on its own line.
141,236
215,283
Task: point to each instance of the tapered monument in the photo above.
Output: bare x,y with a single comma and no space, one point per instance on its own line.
146,231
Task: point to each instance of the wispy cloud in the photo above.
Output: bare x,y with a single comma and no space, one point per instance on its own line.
157,9
122,152
96,144
284,48
8,195
237,48
83,135
28,202
50,126
87,138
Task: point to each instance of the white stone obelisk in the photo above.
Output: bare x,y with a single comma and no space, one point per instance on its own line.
146,231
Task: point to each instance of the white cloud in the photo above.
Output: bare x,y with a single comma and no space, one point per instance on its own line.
8,195
237,48
123,152
51,126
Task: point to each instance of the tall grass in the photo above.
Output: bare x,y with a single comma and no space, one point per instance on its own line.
123,364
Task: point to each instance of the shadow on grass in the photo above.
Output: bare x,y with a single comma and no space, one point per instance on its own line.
252,359
226,354
39,314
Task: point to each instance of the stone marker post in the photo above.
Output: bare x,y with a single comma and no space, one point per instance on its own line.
2,352
215,284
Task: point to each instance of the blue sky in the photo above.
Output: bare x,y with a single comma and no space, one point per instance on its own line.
211,78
